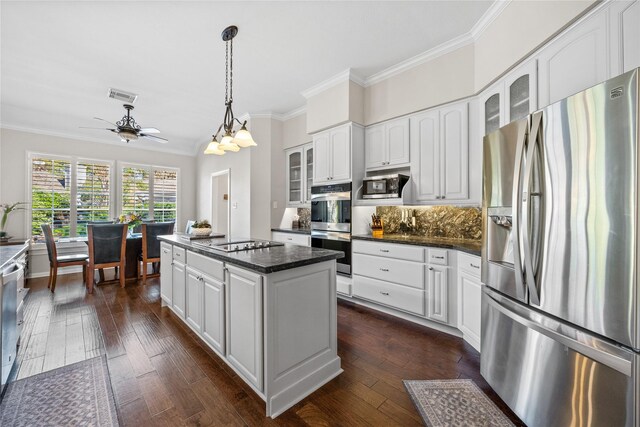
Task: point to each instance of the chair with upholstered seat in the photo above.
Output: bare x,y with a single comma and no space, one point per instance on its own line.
107,248
60,261
151,245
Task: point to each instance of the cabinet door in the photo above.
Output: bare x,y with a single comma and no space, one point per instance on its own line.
340,140
631,37
521,91
491,107
437,293
375,151
179,288
244,320
321,150
454,152
397,142
425,161
213,325
574,61
469,307
294,177
166,279
308,173
195,288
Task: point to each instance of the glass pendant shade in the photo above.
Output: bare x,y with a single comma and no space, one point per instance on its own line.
128,135
213,148
227,144
244,139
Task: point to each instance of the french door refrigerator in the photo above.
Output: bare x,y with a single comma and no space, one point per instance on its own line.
561,260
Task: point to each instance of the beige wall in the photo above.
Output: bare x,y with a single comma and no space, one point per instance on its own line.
328,108
294,131
441,80
521,28
14,146
356,103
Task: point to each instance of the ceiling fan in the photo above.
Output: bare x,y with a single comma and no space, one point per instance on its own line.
129,130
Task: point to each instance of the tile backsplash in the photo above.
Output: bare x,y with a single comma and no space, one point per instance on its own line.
446,222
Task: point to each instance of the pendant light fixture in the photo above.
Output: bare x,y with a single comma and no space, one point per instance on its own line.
230,140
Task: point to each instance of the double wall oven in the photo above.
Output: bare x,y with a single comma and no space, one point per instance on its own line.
331,221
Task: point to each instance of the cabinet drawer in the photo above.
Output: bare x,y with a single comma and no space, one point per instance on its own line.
392,270
296,239
179,254
469,263
438,256
389,250
211,267
343,285
396,296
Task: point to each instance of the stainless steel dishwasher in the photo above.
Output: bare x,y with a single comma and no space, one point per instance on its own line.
8,319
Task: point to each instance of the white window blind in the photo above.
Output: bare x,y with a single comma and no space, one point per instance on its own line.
51,196
93,195
135,191
165,195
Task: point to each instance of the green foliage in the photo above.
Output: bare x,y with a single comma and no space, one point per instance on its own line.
201,224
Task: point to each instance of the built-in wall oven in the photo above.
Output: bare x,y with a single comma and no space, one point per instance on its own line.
331,221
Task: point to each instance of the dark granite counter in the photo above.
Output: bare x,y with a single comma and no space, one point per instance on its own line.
8,253
468,246
263,261
306,231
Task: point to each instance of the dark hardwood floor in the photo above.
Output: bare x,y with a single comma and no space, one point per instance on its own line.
162,374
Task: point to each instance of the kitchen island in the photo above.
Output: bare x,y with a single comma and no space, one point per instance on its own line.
269,313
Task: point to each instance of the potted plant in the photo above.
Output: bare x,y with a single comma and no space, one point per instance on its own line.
201,228
6,211
132,219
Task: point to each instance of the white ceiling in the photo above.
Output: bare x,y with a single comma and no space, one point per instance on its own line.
59,58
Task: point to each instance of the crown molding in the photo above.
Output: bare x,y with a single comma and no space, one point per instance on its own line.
465,39
294,113
341,77
58,134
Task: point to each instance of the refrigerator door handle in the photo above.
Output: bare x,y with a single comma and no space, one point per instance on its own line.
515,230
525,203
591,347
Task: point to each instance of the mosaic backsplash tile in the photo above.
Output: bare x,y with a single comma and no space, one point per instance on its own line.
305,217
445,222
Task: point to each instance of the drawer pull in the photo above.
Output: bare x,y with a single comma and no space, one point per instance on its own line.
289,238
474,266
384,269
384,293
384,250
431,268
437,257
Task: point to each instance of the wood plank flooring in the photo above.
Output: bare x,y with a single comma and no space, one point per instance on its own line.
162,374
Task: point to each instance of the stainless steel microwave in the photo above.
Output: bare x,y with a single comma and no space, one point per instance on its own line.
383,187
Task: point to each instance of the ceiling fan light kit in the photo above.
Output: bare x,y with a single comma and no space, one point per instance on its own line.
128,130
232,140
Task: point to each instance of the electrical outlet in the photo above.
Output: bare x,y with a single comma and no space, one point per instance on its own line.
275,204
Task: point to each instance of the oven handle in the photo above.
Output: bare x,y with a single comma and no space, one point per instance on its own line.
328,197
331,235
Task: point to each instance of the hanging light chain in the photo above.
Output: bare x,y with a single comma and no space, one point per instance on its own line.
226,73
231,73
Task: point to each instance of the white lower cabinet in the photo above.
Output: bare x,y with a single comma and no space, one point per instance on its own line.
437,293
244,324
294,238
469,308
178,278
213,316
166,282
195,290
396,296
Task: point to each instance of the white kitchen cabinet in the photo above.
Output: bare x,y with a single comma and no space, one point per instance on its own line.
244,324
166,273
213,321
438,293
293,238
387,145
332,155
469,308
631,36
322,153
179,287
574,61
195,290
307,156
299,175
440,145
492,108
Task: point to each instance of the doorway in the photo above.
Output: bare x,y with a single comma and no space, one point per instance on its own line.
220,202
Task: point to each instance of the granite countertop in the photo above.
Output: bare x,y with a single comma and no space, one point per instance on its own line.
468,246
293,230
8,253
263,261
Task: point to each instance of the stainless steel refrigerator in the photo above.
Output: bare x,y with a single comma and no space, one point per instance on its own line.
561,260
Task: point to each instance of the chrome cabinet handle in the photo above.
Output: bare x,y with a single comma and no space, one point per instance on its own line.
384,293
384,250
473,265
437,257
384,269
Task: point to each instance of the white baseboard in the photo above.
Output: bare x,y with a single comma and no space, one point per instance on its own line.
61,272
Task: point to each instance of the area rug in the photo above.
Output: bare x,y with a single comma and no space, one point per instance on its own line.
454,403
74,395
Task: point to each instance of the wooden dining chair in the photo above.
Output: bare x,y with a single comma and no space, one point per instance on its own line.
151,246
107,248
60,261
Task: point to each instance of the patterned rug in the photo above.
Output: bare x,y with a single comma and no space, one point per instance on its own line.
74,395
454,403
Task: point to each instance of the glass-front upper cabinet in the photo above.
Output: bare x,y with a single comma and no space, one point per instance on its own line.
294,177
308,156
521,90
492,112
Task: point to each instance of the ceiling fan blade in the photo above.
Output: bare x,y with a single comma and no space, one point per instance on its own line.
87,127
98,118
154,138
149,130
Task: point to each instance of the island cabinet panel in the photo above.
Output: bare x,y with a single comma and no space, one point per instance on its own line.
213,324
244,324
178,277
205,265
195,291
437,294
166,283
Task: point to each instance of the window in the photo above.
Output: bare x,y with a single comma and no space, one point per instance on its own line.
51,196
93,195
150,192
